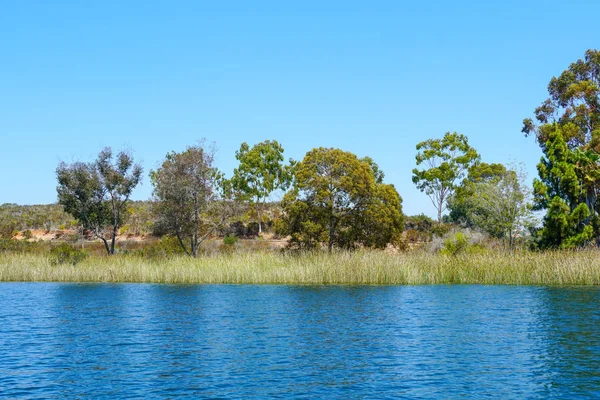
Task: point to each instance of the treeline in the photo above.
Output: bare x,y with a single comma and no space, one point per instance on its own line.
332,197
335,199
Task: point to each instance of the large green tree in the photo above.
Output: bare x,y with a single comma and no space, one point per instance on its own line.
446,162
561,190
567,128
337,200
97,193
261,172
192,200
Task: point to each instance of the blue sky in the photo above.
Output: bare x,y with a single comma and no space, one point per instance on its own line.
370,77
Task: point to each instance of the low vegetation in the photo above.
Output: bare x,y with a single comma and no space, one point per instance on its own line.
318,268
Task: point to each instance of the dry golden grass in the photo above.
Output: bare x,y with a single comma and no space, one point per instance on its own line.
363,267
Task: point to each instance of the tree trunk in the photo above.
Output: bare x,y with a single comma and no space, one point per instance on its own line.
439,208
259,214
105,244
112,242
194,246
185,250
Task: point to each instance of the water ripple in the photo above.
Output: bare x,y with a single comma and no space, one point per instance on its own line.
161,341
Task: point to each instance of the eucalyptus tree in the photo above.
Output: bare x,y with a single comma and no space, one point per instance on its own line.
567,128
192,200
97,193
446,162
261,172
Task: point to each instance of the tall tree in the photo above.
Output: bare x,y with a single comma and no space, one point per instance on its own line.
97,193
561,190
261,172
192,199
567,128
446,161
336,200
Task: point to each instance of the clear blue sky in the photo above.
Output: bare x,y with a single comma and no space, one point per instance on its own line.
371,77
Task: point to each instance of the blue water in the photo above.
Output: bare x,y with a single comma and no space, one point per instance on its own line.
98,340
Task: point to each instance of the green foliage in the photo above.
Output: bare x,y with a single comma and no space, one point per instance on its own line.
261,172
459,203
567,128
495,200
192,199
421,228
165,248
336,200
562,190
11,246
97,193
459,243
229,240
17,217
446,161
66,254
139,218
27,234
574,98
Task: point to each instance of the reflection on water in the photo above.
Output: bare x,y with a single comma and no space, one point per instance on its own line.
75,340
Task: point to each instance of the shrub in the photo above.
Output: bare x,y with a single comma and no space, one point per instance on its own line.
229,240
167,246
460,243
66,254
27,234
228,244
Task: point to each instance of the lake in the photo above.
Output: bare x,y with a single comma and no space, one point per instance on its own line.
142,340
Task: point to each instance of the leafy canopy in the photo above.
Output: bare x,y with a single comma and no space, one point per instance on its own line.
192,199
261,171
97,193
338,200
445,163
567,128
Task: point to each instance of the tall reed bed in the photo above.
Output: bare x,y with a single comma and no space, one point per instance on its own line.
352,268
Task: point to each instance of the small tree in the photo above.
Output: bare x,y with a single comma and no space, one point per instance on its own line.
96,193
459,203
502,207
447,161
260,173
192,200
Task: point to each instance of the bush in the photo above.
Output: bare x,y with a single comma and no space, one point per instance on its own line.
66,254
27,234
167,246
228,244
19,246
460,243
229,240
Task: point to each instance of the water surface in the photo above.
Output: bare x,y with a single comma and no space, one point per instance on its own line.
141,340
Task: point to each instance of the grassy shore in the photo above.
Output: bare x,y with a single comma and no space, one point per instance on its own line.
368,267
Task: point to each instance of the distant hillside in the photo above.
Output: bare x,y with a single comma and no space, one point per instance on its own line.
49,217
15,217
